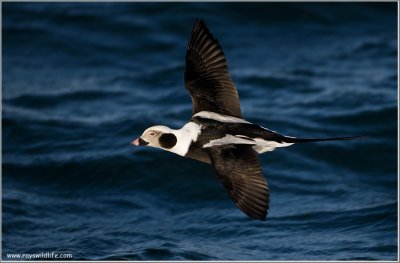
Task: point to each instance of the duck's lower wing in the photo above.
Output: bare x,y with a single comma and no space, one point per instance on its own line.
238,169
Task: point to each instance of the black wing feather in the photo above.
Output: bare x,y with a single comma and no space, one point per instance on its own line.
239,170
206,75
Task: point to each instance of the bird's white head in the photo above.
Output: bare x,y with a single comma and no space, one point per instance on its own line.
158,137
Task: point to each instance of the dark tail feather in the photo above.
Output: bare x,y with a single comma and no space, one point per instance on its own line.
296,140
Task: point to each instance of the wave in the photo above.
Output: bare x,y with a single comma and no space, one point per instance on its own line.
39,101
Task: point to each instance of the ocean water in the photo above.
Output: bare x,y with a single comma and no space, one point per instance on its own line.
81,80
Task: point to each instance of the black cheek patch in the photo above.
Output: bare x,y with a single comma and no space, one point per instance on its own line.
167,140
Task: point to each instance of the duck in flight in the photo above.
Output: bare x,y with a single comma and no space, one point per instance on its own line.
217,134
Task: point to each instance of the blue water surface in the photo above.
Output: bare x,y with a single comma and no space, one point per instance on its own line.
81,80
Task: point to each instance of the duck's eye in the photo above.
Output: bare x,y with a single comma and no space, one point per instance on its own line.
152,134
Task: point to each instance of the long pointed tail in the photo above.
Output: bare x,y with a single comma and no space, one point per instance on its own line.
297,140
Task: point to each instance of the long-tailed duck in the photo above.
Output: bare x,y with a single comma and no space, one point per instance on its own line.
217,133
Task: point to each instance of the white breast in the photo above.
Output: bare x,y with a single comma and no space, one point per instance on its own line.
185,136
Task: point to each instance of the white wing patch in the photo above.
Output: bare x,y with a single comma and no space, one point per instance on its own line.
259,145
219,117
230,139
263,146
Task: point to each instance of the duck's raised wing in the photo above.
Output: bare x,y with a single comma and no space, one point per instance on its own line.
206,75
